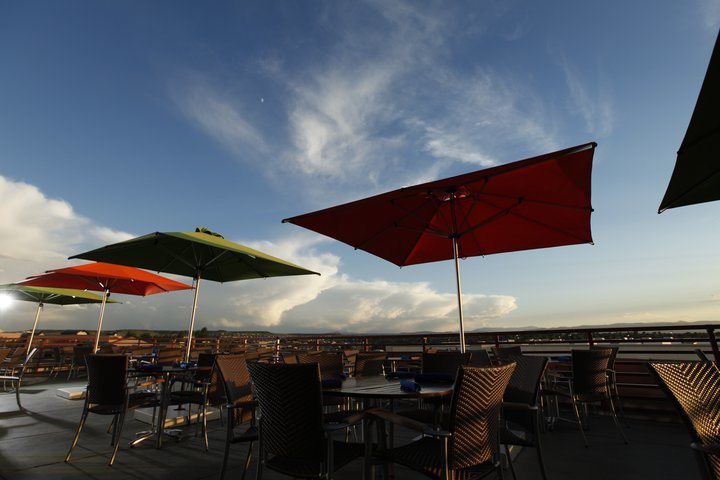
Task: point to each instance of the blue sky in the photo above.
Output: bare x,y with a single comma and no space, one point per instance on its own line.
123,118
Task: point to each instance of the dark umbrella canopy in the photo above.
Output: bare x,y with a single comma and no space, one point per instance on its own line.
534,203
201,254
696,177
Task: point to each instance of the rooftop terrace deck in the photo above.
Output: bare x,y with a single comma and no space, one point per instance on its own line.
33,446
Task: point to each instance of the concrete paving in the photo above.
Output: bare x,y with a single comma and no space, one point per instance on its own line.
33,446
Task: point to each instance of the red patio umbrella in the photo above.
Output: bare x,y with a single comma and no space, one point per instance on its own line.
534,203
106,278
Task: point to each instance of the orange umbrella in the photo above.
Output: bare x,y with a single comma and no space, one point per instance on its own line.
106,278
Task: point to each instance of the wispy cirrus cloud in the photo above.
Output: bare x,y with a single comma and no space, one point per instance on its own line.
218,113
595,107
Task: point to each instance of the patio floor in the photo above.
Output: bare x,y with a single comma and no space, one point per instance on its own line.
33,446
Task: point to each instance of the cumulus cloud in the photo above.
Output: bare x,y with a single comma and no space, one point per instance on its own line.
38,233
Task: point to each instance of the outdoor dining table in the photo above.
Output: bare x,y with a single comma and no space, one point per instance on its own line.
164,373
379,388
386,388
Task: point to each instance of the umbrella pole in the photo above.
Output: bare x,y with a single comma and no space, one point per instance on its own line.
188,347
106,293
459,295
32,332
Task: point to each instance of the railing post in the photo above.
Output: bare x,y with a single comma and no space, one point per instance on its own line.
714,344
497,340
366,345
590,340
317,344
425,344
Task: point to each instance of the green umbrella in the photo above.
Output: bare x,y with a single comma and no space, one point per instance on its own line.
43,295
201,254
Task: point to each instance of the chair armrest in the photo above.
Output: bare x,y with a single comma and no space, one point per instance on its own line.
516,406
710,448
147,383
406,422
245,404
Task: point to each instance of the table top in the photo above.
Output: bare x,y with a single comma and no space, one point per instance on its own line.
381,387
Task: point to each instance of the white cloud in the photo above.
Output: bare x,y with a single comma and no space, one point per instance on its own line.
710,11
594,107
219,114
38,233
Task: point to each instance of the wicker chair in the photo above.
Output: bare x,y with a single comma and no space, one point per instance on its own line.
77,362
331,368
479,358
294,438
200,389
501,354
331,363
369,363
16,380
521,412
235,378
588,384
694,387
108,394
436,363
469,448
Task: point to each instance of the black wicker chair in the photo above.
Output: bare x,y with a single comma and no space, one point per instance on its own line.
108,394
201,389
369,364
295,440
469,448
588,383
521,411
694,388
479,358
235,378
436,364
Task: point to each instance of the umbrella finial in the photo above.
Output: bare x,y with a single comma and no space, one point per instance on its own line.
208,231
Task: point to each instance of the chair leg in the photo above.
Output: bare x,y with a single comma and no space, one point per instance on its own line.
247,460
204,425
617,423
579,421
118,429
510,461
17,394
77,434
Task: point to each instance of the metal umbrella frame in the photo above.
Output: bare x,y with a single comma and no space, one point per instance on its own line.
535,203
51,295
202,255
106,278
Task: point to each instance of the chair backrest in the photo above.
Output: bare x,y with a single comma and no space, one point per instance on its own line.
501,353
169,355
107,378
331,363
524,385
475,412
233,374
613,355
694,387
479,358
444,362
589,371
369,363
80,352
290,400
